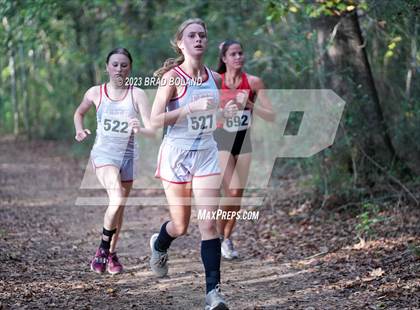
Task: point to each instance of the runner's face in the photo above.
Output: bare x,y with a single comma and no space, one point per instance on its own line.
234,57
118,68
194,40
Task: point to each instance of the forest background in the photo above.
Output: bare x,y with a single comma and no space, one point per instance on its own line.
337,230
366,51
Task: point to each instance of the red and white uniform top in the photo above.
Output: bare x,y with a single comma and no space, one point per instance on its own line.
242,93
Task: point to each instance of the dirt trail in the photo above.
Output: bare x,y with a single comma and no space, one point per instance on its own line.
291,258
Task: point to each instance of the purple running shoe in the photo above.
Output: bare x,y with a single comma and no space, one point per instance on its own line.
98,263
114,266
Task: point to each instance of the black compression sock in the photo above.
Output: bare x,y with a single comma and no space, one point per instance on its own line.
107,238
164,240
210,255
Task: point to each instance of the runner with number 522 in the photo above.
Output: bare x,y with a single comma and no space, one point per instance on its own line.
115,151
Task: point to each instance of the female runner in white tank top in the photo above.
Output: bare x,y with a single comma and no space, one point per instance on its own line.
114,153
187,102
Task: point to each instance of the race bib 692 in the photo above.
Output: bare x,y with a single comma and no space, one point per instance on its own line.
240,121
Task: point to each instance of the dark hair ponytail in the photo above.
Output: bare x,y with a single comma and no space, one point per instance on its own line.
119,50
223,47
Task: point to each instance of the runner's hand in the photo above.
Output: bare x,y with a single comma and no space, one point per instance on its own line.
82,134
202,104
249,104
134,123
241,99
230,109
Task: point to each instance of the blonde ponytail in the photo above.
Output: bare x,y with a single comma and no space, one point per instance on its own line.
168,65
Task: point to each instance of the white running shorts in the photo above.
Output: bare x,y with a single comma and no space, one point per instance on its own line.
180,166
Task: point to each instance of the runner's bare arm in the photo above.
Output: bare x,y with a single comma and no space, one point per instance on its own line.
265,108
165,92
87,102
217,79
144,107
230,108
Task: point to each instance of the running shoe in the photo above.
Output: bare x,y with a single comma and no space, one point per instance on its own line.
228,251
215,300
99,261
114,266
158,260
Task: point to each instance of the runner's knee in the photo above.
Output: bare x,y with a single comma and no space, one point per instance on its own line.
235,192
117,201
207,227
113,209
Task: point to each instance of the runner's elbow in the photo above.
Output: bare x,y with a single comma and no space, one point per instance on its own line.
156,122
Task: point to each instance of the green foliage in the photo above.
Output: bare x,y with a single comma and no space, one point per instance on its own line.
278,9
3,233
367,220
415,250
60,48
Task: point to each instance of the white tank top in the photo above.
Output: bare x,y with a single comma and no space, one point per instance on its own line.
114,137
195,132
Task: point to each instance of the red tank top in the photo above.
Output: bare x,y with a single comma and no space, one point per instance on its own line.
228,94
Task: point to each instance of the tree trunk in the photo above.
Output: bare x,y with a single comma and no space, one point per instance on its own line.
319,62
413,61
364,74
2,123
93,36
24,87
12,69
348,73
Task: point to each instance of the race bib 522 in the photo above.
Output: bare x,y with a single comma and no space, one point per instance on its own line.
114,126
